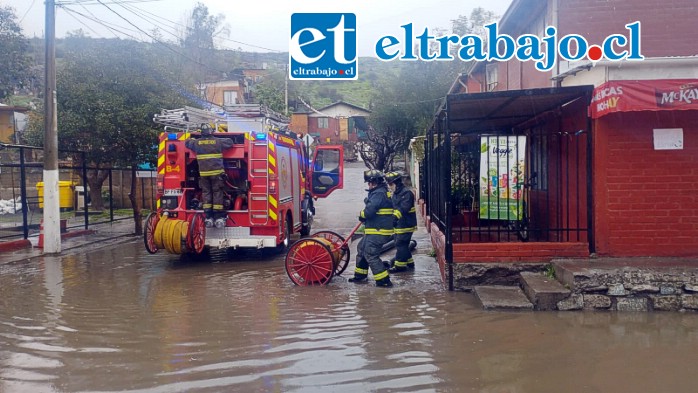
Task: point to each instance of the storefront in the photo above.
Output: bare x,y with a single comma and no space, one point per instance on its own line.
646,167
507,177
532,175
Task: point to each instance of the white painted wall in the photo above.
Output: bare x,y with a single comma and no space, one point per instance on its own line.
648,69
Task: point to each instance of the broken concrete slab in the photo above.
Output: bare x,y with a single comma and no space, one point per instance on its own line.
502,298
543,291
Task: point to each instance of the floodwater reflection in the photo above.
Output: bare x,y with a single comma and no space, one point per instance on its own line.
121,320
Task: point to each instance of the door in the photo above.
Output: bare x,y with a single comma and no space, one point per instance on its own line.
327,170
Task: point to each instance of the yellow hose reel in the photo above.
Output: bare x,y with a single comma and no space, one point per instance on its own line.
171,235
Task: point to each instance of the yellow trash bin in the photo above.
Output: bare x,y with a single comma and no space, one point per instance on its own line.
65,194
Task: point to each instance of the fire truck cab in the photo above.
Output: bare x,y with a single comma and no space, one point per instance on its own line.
271,182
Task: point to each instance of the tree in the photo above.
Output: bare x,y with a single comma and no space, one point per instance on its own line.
14,62
389,134
107,95
270,92
479,17
405,104
404,107
202,28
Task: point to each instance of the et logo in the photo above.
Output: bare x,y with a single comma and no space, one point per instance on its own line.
323,47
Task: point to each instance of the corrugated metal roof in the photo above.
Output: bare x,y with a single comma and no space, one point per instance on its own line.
503,110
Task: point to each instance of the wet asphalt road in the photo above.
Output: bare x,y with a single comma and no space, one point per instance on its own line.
120,319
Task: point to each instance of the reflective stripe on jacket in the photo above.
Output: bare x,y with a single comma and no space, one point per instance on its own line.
208,151
405,212
378,212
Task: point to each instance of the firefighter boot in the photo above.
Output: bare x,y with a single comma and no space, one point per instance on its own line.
220,223
209,223
359,278
399,269
384,282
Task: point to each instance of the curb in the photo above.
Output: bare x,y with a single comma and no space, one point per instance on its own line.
14,245
69,235
35,252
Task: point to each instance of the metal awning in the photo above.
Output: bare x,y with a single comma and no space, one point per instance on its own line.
504,110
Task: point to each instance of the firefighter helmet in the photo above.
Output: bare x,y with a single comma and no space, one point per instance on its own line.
373,176
392,177
206,129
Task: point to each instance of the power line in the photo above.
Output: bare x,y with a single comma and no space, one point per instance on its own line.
251,45
128,8
69,12
418,102
30,8
105,24
157,40
170,29
176,24
97,2
93,18
173,85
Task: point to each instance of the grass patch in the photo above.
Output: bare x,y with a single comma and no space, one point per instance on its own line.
549,271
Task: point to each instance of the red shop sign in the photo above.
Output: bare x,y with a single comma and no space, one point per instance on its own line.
645,95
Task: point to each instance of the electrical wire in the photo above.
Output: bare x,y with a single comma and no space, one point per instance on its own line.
121,31
69,12
183,92
176,24
26,13
417,102
113,30
139,13
96,2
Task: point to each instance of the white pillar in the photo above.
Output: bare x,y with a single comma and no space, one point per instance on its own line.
52,213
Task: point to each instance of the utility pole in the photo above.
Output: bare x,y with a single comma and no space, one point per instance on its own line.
52,229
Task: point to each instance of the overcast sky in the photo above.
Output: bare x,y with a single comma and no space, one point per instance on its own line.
262,23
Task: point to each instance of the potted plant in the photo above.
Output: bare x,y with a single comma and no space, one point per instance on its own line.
465,185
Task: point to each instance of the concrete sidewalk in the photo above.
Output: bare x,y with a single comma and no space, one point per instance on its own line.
97,236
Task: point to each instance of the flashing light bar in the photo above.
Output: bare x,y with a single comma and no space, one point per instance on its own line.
171,136
260,136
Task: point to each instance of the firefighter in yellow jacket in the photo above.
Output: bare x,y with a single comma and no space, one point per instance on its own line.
377,217
405,222
209,154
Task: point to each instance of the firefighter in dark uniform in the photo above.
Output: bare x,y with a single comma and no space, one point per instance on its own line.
209,154
377,217
405,222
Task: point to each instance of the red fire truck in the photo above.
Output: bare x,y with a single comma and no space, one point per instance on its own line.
270,188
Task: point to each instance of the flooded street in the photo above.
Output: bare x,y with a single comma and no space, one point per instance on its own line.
120,319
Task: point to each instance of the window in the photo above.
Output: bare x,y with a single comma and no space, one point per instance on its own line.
323,122
491,74
539,159
230,97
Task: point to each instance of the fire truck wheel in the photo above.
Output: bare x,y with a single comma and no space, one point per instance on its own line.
196,236
310,262
151,222
307,221
286,239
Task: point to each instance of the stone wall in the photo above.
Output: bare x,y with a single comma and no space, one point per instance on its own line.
630,286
